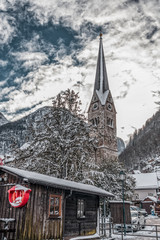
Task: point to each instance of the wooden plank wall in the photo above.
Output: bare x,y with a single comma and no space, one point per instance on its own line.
117,212
32,221
83,226
146,205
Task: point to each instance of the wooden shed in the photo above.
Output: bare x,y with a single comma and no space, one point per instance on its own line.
55,209
116,208
149,203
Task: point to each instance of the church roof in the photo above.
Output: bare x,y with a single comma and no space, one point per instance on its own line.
101,81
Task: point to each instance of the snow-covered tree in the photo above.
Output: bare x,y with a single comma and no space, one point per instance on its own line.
60,141
69,100
107,176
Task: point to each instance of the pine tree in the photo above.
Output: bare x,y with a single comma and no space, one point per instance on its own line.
61,144
107,176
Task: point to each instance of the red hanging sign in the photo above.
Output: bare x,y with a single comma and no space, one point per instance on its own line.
18,196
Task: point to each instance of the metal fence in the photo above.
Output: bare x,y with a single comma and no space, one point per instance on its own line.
108,229
105,227
150,231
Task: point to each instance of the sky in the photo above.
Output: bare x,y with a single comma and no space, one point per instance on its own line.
52,45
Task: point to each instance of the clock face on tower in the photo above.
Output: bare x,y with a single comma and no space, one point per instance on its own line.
109,107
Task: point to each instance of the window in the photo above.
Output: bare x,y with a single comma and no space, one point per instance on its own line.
80,208
95,121
109,122
55,206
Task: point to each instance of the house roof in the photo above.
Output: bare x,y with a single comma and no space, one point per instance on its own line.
145,180
153,199
37,178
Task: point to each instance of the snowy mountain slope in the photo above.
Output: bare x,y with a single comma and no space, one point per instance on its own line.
121,145
17,132
3,120
144,147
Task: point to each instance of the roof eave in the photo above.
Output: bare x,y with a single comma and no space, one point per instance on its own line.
44,183
33,181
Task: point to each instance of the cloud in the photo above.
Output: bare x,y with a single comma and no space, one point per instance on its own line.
30,59
37,44
51,47
2,83
3,63
7,28
156,95
5,92
3,5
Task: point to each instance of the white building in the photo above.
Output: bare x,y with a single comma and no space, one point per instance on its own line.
146,185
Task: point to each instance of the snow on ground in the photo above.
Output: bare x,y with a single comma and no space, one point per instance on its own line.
86,237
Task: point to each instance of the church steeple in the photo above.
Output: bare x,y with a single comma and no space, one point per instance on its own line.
101,81
102,112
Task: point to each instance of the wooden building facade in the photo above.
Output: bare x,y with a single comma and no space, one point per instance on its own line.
56,208
116,208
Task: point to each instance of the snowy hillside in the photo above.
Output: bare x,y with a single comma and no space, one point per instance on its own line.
121,145
16,133
3,120
143,150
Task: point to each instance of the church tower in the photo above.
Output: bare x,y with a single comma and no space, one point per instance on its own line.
102,112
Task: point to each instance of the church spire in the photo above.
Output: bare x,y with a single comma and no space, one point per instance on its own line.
102,112
101,81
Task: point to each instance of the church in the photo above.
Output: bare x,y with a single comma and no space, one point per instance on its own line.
102,112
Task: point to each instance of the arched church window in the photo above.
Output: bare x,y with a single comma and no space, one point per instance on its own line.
96,121
109,122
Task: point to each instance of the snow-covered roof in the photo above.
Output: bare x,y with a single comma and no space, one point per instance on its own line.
154,199
42,179
145,180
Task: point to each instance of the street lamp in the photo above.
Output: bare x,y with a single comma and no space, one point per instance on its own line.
122,178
